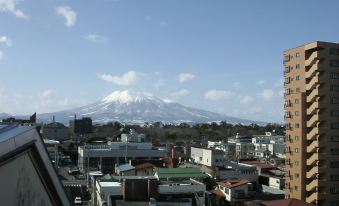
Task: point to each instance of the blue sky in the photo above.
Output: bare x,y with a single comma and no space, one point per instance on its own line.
223,56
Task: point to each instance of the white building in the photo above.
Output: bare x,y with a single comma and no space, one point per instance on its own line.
235,170
233,189
244,148
52,149
208,157
269,145
105,156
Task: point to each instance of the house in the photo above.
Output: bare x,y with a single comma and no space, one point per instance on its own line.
145,169
232,190
125,170
27,173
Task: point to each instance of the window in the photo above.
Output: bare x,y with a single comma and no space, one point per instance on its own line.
296,138
334,75
296,101
298,89
335,177
334,138
334,151
335,88
297,66
296,163
335,100
296,188
335,125
296,175
296,150
297,125
297,78
335,113
334,51
334,190
296,113
297,55
335,164
334,63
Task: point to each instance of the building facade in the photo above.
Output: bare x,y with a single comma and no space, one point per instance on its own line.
312,123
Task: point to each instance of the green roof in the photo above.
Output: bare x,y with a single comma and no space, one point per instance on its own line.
168,173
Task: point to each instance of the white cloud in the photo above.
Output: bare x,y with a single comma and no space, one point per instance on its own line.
236,85
267,94
9,6
46,93
180,93
246,99
253,110
69,15
184,77
260,82
5,40
96,38
2,55
215,95
126,79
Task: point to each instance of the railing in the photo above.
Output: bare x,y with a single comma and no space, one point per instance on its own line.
314,94
314,145
313,198
313,121
312,159
313,185
313,172
313,134
313,83
312,70
313,108
314,56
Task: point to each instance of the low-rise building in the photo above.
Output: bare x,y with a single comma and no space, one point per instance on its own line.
125,170
233,190
207,156
52,147
179,174
244,148
55,131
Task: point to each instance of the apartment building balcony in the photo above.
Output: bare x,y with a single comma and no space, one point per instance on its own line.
313,198
287,70
313,109
313,172
313,121
313,147
313,134
313,96
312,71
313,159
288,104
314,82
316,55
313,185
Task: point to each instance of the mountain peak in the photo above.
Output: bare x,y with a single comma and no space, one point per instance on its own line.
127,96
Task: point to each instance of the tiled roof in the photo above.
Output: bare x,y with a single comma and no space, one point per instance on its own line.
144,166
233,183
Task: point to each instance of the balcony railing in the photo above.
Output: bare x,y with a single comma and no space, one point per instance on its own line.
312,160
313,134
313,121
314,83
313,109
313,185
313,198
312,147
313,172
313,96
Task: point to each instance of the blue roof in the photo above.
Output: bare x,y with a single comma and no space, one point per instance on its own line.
125,167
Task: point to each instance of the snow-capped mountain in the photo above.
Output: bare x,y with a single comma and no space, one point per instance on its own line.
136,107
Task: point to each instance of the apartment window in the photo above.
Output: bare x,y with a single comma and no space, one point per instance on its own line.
334,203
334,75
296,113
297,55
335,100
335,88
334,151
297,66
296,163
296,101
297,78
334,190
335,125
335,164
297,125
334,177
335,113
296,150
296,188
296,138
298,89
334,138
296,175
334,51
334,63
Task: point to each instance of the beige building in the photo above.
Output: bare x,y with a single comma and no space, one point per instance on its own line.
312,122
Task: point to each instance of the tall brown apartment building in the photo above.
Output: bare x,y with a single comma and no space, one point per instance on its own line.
312,122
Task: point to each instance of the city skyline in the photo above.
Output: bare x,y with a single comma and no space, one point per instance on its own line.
223,57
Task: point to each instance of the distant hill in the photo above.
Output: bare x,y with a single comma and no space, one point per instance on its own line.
138,108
